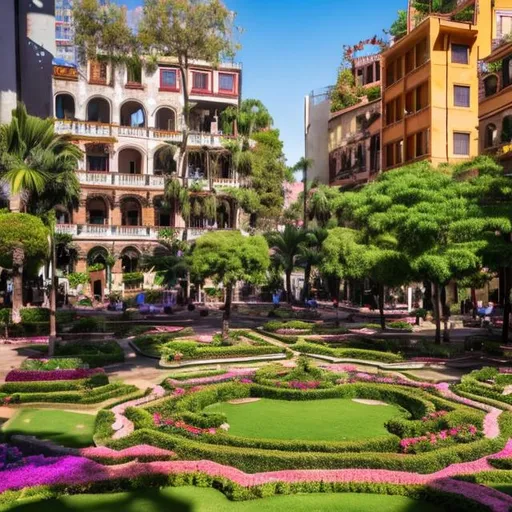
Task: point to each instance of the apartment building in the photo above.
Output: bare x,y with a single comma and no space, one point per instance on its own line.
124,119
354,132
495,109
430,83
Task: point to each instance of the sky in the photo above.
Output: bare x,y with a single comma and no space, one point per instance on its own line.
291,47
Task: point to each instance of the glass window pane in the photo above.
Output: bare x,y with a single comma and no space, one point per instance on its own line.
460,54
200,81
461,143
226,82
461,96
169,78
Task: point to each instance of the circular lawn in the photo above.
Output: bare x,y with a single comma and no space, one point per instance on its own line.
192,499
311,420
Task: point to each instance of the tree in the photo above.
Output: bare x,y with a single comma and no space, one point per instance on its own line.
303,165
252,116
311,255
188,30
285,248
399,26
23,237
437,223
227,257
40,165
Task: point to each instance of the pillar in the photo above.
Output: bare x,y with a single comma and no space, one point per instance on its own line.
115,215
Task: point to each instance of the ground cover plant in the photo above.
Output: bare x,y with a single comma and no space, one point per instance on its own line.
65,428
487,385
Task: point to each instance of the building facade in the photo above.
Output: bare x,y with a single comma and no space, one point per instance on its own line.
317,110
430,83
126,121
354,132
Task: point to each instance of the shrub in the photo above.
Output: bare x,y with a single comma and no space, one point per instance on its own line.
133,277
5,316
43,386
103,427
94,354
89,324
275,325
77,278
400,325
86,301
349,353
34,315
48,375
51,364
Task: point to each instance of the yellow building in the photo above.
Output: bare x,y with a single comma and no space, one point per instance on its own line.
430,83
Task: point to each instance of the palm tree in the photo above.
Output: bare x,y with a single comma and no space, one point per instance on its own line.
39,165
303,165
286,247
310,254
251,116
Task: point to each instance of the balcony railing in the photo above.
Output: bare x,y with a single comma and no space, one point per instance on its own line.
92,129
120,179
101,231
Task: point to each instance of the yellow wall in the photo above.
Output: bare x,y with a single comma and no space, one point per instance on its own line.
446,117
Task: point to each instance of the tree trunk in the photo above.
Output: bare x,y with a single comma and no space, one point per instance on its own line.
506,306
473,301
305,223
18,260
307,277
381,307
436,301
289,287
226,317
53,298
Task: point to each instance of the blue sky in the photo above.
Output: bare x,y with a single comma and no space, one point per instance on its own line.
291,47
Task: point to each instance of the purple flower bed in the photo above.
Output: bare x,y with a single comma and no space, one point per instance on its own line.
296,384
368,377
431,440
215,379
41,375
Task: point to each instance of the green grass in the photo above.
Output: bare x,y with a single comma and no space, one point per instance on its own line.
320,420
66,428
190,499
505,488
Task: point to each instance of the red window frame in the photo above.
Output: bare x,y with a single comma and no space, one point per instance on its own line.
164,87
208,78
234,90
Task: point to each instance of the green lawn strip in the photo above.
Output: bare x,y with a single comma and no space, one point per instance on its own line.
70,429
505,488
191,499
325,420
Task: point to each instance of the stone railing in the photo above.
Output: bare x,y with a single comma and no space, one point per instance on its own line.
93,129
121,179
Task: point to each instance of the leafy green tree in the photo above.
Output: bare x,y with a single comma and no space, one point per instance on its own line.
311,254
228,257
303,165
437,225
40,165
286,248
399,26
252,116
23,238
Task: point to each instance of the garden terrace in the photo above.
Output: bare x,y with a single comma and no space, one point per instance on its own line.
175,350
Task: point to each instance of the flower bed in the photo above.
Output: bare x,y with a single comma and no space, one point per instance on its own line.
214,379
38,376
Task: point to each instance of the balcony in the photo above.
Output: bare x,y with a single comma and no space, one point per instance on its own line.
121,180
101,231
113,131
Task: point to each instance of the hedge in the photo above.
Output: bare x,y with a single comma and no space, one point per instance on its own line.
349,353
94,354
253,460
54,386
236,492
202,352
196,375
103,426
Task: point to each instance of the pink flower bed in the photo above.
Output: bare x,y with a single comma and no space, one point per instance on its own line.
181,425
36,340
291,331
214,379
434,415
369,377
140,451
461,433
47,375
428,359
297,384
159,329
505,370
338,368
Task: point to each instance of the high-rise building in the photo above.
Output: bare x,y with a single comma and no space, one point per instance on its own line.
64,30
430,83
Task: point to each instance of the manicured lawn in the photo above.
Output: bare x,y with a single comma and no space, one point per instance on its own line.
190,499
505,488
67,428
321,420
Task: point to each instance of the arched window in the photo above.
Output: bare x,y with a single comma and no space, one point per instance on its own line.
64,106
165,120
130,260
133,114
131,212
491,85
98,110
97,211
506,130
130,161
490,135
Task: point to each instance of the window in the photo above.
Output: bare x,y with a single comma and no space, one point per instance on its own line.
98,72
461,95
97,163
460,54
490,135
490,85
200,81
226,82
168,79
507,71
461,143
504,24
